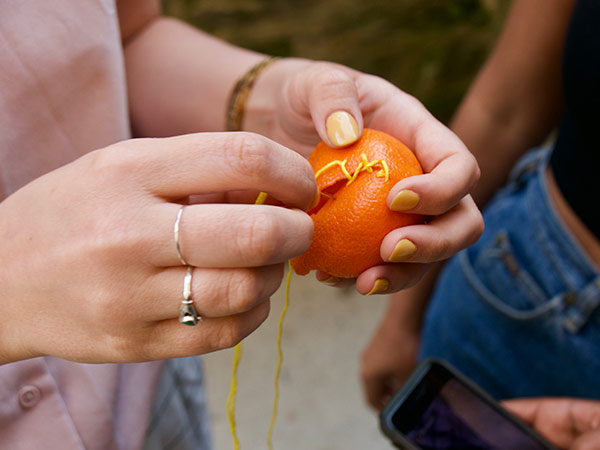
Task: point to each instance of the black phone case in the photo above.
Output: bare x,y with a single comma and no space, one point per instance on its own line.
388,412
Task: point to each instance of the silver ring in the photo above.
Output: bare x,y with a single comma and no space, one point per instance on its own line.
187,312
176,236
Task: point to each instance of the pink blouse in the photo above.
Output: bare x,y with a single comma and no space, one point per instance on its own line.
62,94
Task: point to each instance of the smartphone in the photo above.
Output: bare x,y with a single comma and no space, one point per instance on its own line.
439,408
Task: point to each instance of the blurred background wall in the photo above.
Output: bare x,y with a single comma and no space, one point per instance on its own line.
431,49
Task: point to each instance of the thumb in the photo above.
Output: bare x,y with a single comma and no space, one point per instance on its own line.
332,98
526,409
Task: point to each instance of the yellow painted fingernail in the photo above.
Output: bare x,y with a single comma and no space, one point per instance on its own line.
342,129
331,281
405,200
380,286
403,251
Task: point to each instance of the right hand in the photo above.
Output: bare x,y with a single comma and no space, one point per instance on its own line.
89,267
388,360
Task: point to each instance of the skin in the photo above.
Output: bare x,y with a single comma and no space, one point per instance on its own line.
513,104
107,277
516,100
567,423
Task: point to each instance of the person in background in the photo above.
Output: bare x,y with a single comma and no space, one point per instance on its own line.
518,311
110,245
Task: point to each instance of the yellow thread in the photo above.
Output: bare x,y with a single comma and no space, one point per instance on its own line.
368,165
363,166
337,162
237,356
385,170
359,168
262,197
280,358
230,405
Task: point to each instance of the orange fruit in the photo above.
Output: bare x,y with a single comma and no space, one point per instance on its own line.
352,216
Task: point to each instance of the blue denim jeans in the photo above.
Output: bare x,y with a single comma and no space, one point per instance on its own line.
518,312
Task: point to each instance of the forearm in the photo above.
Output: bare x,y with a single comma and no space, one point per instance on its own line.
495,144
516,99
179,78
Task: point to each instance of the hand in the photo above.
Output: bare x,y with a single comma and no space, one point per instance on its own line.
387,361
568,423
391,356
90,271
307,93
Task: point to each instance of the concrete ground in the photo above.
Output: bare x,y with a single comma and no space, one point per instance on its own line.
321,405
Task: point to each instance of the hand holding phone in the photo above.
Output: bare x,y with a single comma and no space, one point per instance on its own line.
567,422
439,408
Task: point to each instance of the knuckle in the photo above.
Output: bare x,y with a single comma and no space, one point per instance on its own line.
414,278
305,230
330,81
231,332
125,348
244,290
444,247
413,103
331,77
119,160
248,154
475,170
261,236
136,351
229,336
477,224
113,243
124,164
478,228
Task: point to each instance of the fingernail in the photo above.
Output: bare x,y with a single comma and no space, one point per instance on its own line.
380,286
342,129
331,281
403,251
405,200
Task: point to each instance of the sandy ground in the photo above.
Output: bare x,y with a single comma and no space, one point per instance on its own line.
321,405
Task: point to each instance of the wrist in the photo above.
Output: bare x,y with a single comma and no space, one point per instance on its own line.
236,104
12,348
14,320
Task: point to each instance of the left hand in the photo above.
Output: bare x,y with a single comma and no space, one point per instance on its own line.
307,93
568,423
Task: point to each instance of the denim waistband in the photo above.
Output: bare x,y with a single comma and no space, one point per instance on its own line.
560,248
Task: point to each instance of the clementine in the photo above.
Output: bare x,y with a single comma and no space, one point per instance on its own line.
352,217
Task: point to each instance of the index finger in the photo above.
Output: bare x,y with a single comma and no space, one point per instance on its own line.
203,163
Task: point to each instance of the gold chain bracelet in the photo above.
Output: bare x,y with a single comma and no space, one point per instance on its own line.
240,93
